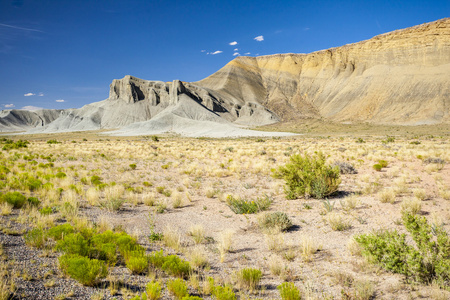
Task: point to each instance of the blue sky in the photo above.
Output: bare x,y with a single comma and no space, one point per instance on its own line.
61,54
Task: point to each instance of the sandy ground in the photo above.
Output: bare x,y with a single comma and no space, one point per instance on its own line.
201,173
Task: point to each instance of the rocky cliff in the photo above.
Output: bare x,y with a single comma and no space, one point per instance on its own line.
401,77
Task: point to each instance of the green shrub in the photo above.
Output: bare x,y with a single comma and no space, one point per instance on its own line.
96,180
428,261
155,138
176,266
177,288
33,201
53,142
249,278
33,184
275,221
16,199
46,211
223,293
243,206
377,167
383,163
137,262
191,298
288,291
73,243
60,175
133,166
157,259
60,231
35,238
309,176
153,290
86,271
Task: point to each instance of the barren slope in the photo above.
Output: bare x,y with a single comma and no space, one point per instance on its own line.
401,77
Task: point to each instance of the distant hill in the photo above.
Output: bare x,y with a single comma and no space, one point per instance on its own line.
401,78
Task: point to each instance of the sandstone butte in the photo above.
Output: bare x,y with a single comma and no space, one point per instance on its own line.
397,78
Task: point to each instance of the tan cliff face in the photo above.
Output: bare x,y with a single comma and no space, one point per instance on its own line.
400,77
397,78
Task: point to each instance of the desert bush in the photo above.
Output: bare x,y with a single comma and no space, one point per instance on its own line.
288,291
53,142
137,262
387,196
223,293
153,290
86,271
176,266
177,288
157,259
16,199
344,167
33,201
249,278
383,163
277,221
73,243
60,231
35,238
377,167
337,222
411,205
60,175
243,206
309,176
427,261
133,166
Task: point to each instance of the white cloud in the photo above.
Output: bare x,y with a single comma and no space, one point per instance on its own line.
202,50
236,54
216,52
235,49
29,94
259,38
247,53
9,105
31,107
233,43
41,94
60,100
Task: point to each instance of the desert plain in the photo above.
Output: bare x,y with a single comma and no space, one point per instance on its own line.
173,193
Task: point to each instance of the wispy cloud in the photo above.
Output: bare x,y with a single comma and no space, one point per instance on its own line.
306,28
236,54
259,38
9,105
60,100
247,53
233,43
235,49
19,28
29,94
31,107
215,52
203,51
41,94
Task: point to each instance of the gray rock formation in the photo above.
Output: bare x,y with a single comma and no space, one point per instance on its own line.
400,77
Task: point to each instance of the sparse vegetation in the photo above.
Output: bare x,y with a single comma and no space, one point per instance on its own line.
57,200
